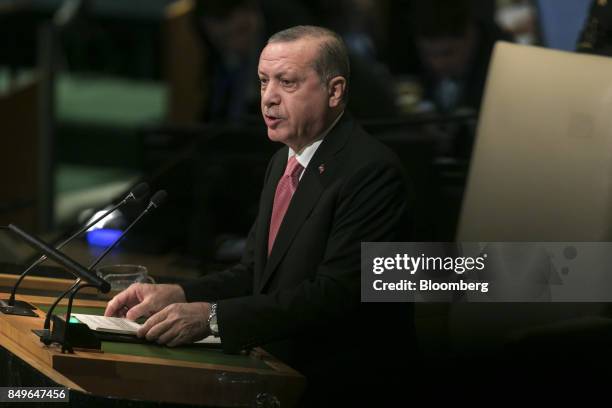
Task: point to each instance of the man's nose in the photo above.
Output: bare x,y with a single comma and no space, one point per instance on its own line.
270,95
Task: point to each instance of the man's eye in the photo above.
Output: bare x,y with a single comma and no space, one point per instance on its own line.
286,82
263,81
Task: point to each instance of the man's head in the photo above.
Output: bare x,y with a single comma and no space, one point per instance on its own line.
231,26
304,73
445,35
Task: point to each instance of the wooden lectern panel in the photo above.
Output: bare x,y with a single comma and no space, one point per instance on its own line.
150,372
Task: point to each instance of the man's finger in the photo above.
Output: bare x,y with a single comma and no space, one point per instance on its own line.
159,330
151,321
115,305
140,310
123,311
175,341
128,297
169,336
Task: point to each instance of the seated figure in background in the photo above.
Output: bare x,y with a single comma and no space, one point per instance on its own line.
454,49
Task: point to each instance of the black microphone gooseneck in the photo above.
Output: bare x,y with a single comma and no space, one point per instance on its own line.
73,266
157,199
139,191
64,340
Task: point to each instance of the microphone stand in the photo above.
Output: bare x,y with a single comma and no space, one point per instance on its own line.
85,337
45,331
70,334
22,308
80,333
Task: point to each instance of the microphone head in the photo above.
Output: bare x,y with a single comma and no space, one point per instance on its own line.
104,286
139,191
158,198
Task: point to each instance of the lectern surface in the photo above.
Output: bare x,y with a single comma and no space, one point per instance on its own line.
140,374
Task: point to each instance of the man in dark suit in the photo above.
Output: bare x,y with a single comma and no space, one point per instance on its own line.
296,291
596,35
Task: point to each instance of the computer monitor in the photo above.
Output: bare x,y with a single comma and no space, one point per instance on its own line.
542,162
541,171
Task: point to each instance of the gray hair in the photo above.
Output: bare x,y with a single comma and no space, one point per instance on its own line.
333,57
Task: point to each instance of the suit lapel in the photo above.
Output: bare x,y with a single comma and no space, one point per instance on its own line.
307,194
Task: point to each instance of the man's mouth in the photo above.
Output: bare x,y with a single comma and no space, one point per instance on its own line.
272,121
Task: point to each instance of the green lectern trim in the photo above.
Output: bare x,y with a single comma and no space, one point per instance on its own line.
196,353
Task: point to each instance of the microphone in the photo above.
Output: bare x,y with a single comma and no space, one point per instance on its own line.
157,200
11,306
61,334
63,259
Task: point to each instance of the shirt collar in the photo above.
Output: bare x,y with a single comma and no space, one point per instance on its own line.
308,152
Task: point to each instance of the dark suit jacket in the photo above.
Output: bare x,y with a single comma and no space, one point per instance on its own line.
302,303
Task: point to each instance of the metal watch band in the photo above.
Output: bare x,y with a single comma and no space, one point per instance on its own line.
212,320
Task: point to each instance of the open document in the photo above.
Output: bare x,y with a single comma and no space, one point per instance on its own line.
119,325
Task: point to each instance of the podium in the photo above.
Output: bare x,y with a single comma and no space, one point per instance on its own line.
142,374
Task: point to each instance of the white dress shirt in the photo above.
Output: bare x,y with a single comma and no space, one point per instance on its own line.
308,152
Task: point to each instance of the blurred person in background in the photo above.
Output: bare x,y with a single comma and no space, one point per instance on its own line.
520,18
596,36
234,32
361,25
454,48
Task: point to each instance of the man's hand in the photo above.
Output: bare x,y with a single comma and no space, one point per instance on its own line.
144,300
179,323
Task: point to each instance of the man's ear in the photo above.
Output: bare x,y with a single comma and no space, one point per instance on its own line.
336,89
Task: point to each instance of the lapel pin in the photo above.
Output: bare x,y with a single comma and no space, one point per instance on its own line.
321,168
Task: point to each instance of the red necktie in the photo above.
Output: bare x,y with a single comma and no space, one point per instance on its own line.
284,191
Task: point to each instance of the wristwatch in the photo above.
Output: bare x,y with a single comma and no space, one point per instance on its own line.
212,320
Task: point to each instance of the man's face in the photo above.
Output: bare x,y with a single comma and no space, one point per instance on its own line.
446,57
235,34
294,103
